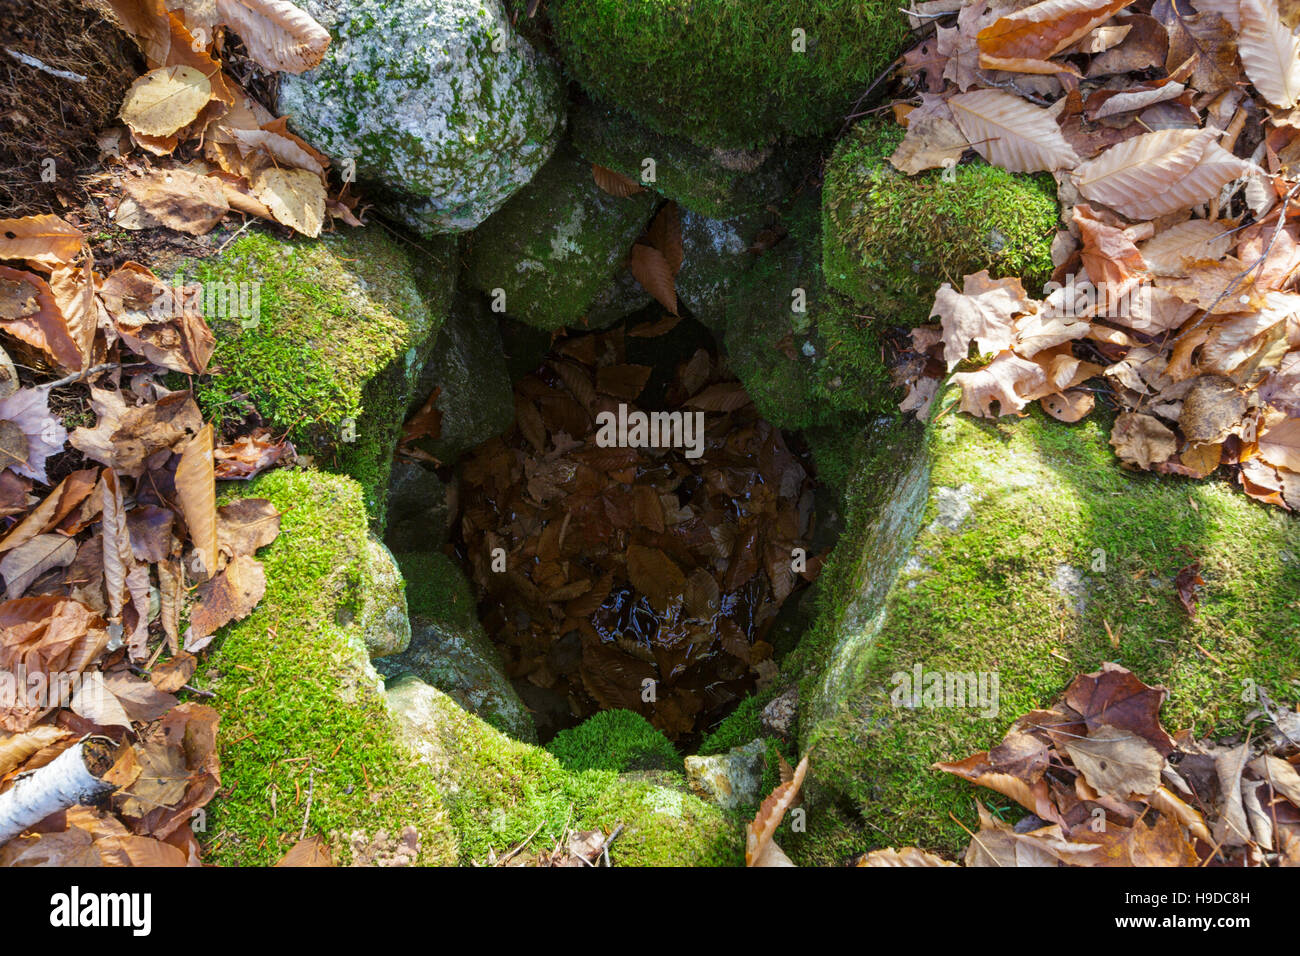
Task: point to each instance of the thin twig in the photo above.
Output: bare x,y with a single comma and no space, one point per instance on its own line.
311,785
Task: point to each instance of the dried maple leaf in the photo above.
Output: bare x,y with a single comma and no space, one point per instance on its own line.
250,455
981,313
1009,380
1115,696
1142,440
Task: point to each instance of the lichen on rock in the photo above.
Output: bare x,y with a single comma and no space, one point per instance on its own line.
439,101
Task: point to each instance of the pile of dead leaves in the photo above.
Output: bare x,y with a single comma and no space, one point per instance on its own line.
243,157
634,569
1173,136
1105,785
100,571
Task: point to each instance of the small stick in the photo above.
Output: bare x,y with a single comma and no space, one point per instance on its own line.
311,783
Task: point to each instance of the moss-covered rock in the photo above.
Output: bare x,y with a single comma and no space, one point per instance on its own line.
499,791
715,255
555,246
385,626
716,183
890,239
301,707
805,354
727,74
619,740
419,511
440,101
449,649
468,367
331,359
1031,545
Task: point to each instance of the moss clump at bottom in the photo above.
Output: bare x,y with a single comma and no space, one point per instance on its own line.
890,239
1033,541
614,740
499,792
726,74
343,327
300,707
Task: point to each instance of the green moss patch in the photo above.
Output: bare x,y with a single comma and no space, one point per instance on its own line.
1032,542
892,239
500,792
614,740
806,355
301,710
727,74
343,328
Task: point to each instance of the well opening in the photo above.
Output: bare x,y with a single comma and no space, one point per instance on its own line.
634,534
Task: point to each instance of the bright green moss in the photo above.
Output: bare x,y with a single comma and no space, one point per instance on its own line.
891,239
436,587
1060,542
500,792
738,728
724,73
331,357
719,184
556,244
300,708
614,740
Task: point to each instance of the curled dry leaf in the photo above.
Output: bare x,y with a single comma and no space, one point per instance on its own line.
277,34
760,849
615,183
